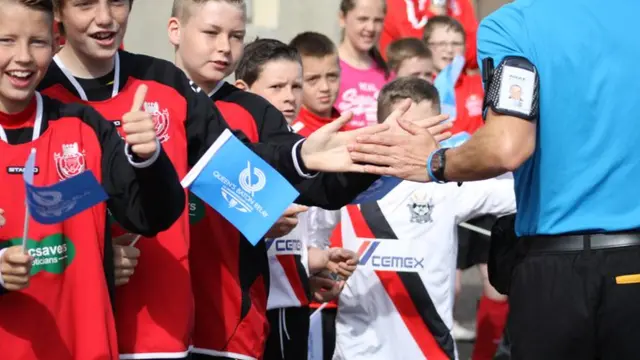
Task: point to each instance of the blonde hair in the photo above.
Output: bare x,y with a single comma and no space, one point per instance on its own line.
181,8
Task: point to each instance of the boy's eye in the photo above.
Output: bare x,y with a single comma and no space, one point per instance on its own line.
40,42
6,41
211,33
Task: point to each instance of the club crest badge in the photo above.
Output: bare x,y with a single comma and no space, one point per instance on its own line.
71,162
160,120
420,208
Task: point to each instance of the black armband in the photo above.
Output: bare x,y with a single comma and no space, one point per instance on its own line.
512,88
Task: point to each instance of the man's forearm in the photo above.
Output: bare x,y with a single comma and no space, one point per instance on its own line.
479,158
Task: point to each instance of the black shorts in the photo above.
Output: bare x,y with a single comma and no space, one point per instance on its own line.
575,306
289,334
473,248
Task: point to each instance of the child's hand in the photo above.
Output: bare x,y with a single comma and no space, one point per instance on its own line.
15,267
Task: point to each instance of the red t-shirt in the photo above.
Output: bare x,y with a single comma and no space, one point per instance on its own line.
307,122
408,18
469,95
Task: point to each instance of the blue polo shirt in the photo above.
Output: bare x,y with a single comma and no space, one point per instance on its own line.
585,172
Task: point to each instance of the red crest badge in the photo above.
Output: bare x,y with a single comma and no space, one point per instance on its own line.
160,120
71,162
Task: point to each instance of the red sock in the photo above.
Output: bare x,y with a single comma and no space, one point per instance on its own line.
490,321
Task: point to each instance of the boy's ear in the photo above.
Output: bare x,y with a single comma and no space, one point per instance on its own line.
173,30
240,84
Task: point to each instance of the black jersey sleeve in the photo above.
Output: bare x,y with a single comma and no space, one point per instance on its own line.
144,201
205,123
327,190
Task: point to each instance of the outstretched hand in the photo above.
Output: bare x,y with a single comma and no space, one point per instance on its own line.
401,155
326,149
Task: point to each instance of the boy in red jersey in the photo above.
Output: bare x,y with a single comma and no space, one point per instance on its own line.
273,70
208,36
55,301
320,82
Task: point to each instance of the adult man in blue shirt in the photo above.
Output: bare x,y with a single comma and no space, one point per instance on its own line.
562,112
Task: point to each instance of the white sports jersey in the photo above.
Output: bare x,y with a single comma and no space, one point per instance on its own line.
288,268
399,302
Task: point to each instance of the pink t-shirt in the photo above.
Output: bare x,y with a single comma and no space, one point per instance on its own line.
359,91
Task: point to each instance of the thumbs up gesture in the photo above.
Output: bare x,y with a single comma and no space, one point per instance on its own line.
138,127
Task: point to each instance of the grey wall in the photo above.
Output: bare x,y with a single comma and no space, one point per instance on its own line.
281,19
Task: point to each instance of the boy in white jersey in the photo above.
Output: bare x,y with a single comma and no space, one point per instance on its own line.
278,79
399,302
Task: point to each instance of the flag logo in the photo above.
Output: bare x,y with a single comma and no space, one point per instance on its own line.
240,186
246,182
71,162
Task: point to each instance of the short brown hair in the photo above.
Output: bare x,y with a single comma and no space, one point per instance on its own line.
258,54
180,8
313,44
45,6
418,90
406,48
442,21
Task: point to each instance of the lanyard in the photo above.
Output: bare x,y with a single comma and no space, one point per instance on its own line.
37,125
76,84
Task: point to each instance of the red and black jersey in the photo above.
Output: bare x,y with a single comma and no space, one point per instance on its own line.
154,311
66,313
232,276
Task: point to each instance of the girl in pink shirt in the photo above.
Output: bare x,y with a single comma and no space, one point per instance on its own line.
363,70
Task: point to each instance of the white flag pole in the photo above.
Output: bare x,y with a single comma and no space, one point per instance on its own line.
135,240
25,227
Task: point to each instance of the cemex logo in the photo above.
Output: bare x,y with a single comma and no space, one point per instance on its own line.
372,254
284,246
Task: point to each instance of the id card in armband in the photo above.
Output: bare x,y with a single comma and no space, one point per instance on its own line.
514,89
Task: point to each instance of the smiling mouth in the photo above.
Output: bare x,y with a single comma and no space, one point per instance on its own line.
20,75
103,35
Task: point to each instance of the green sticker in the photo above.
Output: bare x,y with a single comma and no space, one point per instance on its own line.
196,209
53,254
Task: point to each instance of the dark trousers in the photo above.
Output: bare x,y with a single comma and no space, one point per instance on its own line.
576,305
289,334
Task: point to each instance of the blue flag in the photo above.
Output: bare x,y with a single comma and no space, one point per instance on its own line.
240,186
58,202
456,140
445,83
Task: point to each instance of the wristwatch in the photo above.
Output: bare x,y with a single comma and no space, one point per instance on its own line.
438,163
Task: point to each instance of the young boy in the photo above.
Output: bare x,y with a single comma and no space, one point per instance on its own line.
273,70
410,57
55,293
208,36
320,88
399,302
445,37
320,82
